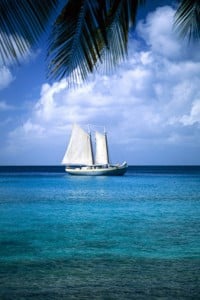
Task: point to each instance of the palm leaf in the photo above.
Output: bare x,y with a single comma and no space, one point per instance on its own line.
187,19
73,48
88,32
21,24
120,18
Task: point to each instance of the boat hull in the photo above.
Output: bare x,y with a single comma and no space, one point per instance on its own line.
116,170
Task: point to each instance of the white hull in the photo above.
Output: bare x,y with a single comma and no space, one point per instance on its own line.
112,170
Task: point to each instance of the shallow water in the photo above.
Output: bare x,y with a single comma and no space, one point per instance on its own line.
130,237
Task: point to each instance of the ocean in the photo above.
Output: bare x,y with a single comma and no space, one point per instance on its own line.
130,237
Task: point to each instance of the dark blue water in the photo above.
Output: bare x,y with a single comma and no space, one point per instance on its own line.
130,237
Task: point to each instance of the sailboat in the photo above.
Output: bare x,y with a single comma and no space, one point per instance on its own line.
79,158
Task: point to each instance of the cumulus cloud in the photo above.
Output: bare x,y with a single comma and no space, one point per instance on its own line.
157,32
148,105
6,77
194,115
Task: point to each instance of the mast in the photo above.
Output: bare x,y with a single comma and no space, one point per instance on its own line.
91,146
106,142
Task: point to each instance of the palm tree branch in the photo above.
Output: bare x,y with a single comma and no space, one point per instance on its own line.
187,19
120,18
73,46
87,32
22,22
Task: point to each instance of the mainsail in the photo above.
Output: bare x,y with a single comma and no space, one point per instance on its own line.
79,151
101,157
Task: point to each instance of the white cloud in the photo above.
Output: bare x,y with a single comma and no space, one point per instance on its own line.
6,77
148,106
158,33
194,115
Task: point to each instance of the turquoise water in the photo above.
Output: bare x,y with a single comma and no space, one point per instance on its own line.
130,237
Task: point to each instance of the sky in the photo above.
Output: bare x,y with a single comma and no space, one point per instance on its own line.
150,104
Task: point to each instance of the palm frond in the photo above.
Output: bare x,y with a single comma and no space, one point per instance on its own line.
76,41
187,19
21,24
120,18
88,32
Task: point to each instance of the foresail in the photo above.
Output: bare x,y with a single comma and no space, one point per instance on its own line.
79,151
101,157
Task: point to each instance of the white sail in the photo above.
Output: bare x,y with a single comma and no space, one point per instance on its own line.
79,151
101,157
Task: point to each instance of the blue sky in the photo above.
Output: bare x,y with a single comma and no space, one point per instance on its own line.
150,105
